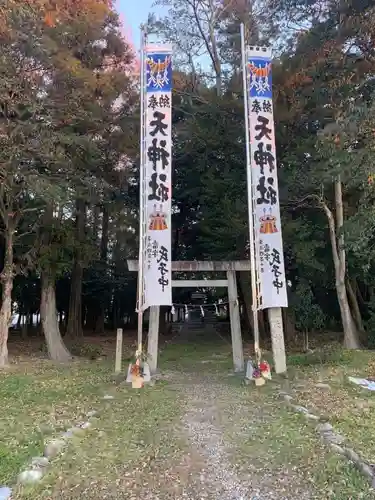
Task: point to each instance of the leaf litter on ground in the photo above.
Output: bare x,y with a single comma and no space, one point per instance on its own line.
141,444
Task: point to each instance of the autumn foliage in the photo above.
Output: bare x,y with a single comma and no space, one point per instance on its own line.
56,12
53,12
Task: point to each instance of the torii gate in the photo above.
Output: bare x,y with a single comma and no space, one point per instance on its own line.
230,267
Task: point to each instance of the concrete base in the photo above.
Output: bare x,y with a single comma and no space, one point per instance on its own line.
249,370
129,377
153,338
277,335
146,373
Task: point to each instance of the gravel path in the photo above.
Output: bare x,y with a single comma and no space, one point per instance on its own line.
218,479
220,448
212,408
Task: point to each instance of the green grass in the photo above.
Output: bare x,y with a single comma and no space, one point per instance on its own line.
206,357
39,400
132,435
281,438
332,355
347,406
136,438
285,441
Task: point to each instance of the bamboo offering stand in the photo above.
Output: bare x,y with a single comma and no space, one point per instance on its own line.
139,371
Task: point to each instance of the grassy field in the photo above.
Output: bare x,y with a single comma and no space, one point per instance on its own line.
130,437
203,357
285,444
39,400
287,439
136,438
349,408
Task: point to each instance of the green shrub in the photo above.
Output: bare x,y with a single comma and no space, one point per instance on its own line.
330,355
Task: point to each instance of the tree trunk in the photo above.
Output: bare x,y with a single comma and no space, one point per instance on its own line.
114,316
163,329
95,225
306,345
55,345
289,325
91,314
30,322
6,295
24,330
100,320
74,327
351,339
244,280
355,306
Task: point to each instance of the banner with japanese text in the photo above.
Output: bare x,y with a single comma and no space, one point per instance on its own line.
158,176
265,192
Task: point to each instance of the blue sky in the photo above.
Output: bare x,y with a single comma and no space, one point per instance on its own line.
134,13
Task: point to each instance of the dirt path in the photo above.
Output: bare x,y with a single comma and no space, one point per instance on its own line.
203,421
218,417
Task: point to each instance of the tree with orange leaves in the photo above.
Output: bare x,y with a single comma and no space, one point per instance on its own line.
62,71
58,11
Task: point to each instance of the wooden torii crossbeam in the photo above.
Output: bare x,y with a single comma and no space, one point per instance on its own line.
230,267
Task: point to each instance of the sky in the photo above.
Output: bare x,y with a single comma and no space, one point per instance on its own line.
134,13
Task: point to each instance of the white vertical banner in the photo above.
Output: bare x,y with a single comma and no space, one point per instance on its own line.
264,188
157,270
